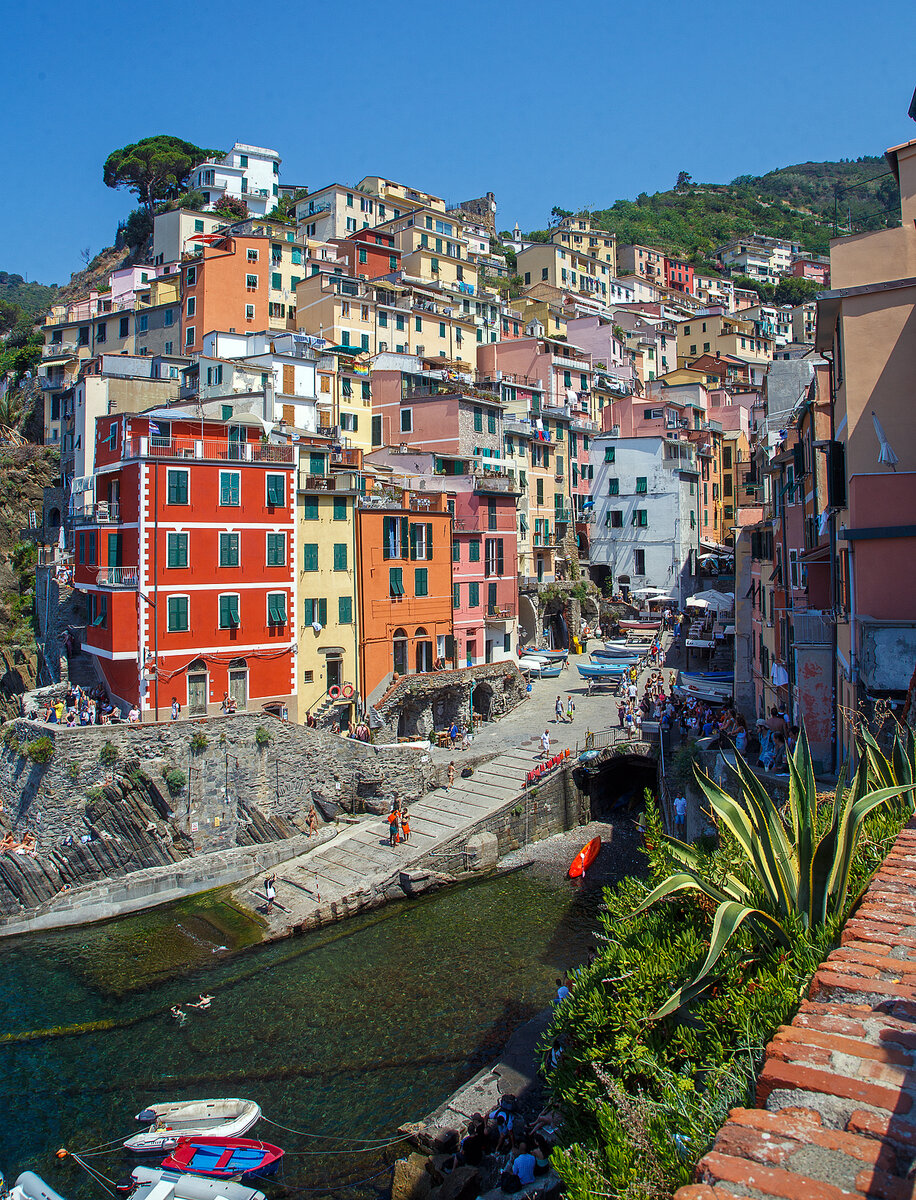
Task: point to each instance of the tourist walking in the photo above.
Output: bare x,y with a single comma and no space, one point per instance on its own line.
545,744
680,811
558,709
270,891
176,708
570,709
451,776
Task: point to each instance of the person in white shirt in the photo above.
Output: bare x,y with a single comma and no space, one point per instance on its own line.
545,744
680,810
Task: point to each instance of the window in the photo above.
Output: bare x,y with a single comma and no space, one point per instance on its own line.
276,608
421,581
168,317
276,281
229,484
177,487
491,422
101,331
191,276
276,491
251,283
229,612
418,324
228,549
177,619
125,327
345,610
363,257
456,595
98,611
394,537
190,335
639,562
276,549
252,256
614,519
473,595
642,485
474,550
613,487
315,611
395,582
349,422
177,550
609,452
641,518
310,508
310,556
340,508
406,420
190,309
495,563
340,556
366,390
249,312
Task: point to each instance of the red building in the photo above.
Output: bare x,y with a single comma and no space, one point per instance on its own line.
679,275
186,557
369,254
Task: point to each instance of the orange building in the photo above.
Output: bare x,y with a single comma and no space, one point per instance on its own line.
238,284
404,585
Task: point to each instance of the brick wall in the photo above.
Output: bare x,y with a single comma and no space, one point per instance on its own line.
837,1094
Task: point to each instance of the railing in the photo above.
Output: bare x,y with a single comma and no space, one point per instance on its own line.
117,577
317,483
495,483
203,448
562,516
102,513
811,629
55,349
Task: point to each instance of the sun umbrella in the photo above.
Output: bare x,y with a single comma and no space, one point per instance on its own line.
886,453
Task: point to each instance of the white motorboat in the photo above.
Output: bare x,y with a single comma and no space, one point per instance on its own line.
186,1118
30,1186
152,1183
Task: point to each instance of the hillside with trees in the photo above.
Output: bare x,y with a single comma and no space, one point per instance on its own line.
796,203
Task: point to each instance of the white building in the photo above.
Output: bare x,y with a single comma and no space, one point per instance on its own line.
758,256
249,173
282,365
646,521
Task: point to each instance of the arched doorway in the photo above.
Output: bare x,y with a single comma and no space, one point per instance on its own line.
482,700
424,651
197,688
238,683
399,657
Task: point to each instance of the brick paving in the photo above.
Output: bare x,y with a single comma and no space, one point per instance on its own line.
837,1094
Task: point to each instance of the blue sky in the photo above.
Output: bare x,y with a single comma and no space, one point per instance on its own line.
571,104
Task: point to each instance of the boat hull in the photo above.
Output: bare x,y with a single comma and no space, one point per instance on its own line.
601,672
224,1158
229,1118
584,859
171,1185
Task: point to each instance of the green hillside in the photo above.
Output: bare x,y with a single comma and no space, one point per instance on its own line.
33,298
794,202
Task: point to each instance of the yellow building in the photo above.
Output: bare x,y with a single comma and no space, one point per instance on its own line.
563,264
344,390
399,195
721,334
328,636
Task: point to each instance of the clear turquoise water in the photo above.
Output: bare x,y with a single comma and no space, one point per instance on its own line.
350,1031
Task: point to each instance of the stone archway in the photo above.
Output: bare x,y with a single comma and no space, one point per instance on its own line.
527,619
482,700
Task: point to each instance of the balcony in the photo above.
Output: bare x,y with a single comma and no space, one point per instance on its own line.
499,614
317,483
102,513
209,448
556,410
562,516
118,577
484,523
59,349
491,482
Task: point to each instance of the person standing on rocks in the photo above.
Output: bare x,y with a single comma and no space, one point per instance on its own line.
405,823
393,820
451,776
270,890
313,821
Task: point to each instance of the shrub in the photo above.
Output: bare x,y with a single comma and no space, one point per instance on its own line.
261,736
174,780
41,750
73,770
9,738
109,754
94,793
199,742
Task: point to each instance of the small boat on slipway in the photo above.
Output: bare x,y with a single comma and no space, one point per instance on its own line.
169,1123
603,670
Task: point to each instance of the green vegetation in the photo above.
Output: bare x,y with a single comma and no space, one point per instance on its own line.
174,780
795,202
199,742
40,750
31,299
261,736
644,1083
156,168
232,208
108,755
787,291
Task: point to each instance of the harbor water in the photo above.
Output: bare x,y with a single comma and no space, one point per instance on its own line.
340,1035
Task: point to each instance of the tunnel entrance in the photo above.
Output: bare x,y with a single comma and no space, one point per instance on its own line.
618,785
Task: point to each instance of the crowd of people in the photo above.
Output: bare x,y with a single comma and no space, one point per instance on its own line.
79,706
518,1149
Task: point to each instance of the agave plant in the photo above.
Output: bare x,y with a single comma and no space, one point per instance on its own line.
799,869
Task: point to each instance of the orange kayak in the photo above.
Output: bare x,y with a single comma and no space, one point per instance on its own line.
585,858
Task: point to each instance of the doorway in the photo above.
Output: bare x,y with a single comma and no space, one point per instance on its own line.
424,652
335,672
197,688
238,683
399,642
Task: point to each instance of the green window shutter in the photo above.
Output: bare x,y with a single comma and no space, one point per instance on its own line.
366,390
297,256
474,550
478,420
345,610
316,465
322,611
177,550
276,281
641,485
310,508
609,452
491,422
228,549
340,556
81,547
308,612
456,550
429,541
340,508
613,487
413,543
418,324
178,487
395,581
442,329
310,556
228,487
276,490
389,537
421,582
114,550
405,537
491,597
456,595
276,608
567,379
177,614
294,281
473,595
276,549
228,612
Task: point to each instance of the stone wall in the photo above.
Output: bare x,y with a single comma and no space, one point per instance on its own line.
226,769
435,699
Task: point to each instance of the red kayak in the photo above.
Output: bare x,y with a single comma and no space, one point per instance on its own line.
585,858
224,1158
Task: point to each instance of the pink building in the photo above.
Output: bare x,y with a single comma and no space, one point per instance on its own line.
811,267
